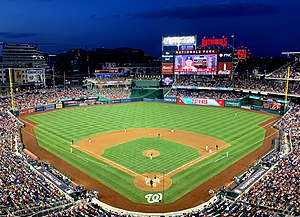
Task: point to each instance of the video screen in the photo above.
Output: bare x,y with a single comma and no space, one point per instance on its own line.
199,64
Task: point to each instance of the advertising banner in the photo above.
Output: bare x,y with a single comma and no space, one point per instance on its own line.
115,101
90,100
59,105
83,104
18,75
167,68
49,107
125,100
232,103
225,55
70,102
39,109
202,88
170,100
53,179
36,75
254,107
196,101
32,110
23,112
66,99
179,40
224,68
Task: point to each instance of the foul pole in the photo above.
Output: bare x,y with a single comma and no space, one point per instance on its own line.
286,87
11,90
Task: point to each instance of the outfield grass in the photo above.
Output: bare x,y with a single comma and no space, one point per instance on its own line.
240,128
172,155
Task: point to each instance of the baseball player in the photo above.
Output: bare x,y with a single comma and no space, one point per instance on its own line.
151,156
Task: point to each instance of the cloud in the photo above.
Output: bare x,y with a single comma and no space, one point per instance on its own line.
230,9
8,35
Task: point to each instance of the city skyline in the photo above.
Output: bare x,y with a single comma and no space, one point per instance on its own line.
266,27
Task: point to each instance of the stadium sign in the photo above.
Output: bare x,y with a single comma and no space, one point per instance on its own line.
207,42
209,51
179,40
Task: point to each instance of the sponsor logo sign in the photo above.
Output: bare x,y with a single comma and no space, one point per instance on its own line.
125,100
49,107
58,105
197,101
70,102
167,68
39,109
179,40
231,103
250,181
172,100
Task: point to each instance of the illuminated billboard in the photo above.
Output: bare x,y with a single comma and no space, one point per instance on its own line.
179,40
167,68
224,68
194,63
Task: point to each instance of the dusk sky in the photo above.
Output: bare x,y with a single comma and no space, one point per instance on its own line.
267,27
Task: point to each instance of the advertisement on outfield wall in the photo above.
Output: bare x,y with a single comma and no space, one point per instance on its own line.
167,68
196,101
125,100
26,111
70,102
59,105
170,100
49,107
39,109
232,103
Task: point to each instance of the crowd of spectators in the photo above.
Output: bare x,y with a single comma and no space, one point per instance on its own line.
282,72
205,94
21,189
40,97
256,84
113,92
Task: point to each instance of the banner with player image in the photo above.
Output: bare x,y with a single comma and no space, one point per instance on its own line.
36,76
18,75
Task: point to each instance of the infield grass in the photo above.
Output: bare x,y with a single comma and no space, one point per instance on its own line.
240,128
130,155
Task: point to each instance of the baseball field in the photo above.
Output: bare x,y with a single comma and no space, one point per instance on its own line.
124,146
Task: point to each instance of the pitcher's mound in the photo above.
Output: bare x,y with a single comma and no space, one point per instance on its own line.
160,182
147,153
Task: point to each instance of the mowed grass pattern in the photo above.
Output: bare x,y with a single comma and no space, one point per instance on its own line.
240,128
130,154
